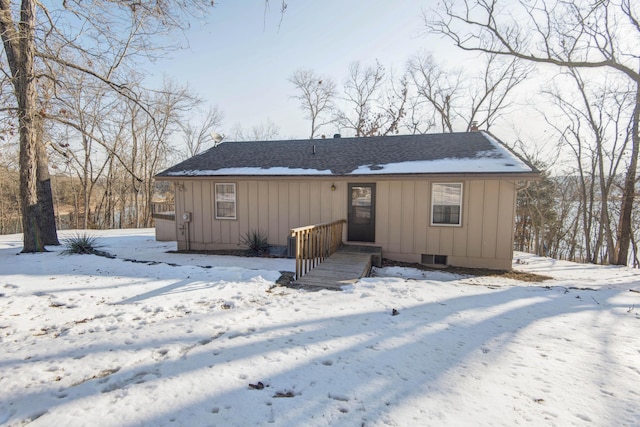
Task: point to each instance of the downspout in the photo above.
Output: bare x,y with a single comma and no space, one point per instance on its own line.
188,236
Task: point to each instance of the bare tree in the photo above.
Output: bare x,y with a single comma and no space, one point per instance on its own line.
454,95
490,90
316,95
108,34
593,125
535,214
370,109
600,34
436,86
197,135
150,142
82,107
361,92
9,184
265,131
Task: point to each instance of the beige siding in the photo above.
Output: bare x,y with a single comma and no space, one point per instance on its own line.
473,223
338,201
446,240
403,216
303,196
383,202
165,230
506,220
294,206
394,242
283,211
490,219
421,211
262,223
408,218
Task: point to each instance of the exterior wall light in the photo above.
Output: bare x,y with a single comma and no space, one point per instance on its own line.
333,187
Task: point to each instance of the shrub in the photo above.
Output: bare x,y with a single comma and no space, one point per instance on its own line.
83,244
256,242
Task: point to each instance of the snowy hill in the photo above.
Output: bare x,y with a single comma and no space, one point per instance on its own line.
185,340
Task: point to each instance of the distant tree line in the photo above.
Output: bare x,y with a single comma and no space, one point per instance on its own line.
104,150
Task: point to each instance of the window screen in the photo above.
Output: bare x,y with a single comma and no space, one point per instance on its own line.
446,204
225,201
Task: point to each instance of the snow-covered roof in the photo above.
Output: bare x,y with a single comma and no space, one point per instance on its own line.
464,152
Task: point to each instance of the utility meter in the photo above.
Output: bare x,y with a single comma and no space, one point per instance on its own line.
186,217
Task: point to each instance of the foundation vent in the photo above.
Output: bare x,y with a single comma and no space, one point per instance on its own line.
439,260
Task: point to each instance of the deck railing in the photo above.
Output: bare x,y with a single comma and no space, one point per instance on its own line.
314,243
163,210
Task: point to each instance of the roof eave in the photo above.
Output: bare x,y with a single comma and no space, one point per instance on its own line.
532,175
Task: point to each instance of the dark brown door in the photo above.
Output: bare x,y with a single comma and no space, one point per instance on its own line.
361,226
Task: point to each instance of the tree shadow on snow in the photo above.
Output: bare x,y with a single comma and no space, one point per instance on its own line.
389,359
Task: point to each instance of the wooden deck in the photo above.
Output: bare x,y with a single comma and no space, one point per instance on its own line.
344,267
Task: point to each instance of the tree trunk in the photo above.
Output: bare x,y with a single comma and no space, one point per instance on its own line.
25,87
624,226
47,218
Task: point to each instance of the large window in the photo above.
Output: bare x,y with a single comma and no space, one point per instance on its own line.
446,204
225,201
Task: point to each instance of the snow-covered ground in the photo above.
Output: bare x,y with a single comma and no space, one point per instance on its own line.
191,340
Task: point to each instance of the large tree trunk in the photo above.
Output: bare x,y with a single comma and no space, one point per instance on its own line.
624,226
25,87
28,185
46,217
19,48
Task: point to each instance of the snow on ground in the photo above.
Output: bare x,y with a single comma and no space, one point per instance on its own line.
185,340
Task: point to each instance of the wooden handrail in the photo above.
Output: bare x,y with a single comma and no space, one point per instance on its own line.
314,243
163,210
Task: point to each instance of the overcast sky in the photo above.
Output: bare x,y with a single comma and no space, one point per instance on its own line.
241,59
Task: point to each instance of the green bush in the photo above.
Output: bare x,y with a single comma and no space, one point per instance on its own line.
256,242
83,244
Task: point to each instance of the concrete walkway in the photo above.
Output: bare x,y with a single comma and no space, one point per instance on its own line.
344,267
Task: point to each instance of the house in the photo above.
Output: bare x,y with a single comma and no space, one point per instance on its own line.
437,199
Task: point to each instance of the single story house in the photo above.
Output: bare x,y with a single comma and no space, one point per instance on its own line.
438,199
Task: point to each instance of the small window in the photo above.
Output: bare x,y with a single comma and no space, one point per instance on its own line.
434,259
225,201
446,204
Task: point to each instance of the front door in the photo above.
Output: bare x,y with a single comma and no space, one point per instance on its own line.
361,225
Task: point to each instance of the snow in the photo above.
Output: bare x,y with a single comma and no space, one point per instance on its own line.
485,163
479,165
497,160
275,171
152,338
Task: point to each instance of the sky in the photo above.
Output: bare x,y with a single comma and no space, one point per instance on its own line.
158,338
242,57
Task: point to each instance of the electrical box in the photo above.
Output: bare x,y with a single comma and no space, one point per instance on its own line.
186,217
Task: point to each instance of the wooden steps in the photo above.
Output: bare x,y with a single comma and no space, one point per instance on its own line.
344,267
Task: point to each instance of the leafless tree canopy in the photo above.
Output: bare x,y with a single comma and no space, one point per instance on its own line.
316,95
98,38
571,35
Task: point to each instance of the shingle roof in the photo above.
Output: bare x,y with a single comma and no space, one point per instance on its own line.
464,152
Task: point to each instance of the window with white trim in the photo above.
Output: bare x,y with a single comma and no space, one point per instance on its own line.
446,204
225,201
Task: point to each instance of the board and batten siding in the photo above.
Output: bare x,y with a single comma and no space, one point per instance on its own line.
271,206
403,230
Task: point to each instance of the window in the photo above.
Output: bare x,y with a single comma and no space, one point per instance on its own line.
446,204
225,201
434,259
